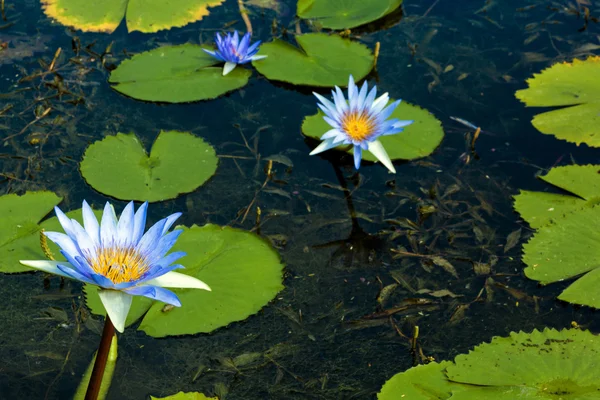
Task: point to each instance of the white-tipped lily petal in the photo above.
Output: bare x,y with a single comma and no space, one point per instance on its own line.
47,266
177,280
229,66
117,305
323,146
376,148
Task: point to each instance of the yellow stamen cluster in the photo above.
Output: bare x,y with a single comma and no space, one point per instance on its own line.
359,125
119,264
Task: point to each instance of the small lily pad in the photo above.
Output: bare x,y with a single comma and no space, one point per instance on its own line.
419,139
19,229
575,84
185,396
541,208
175,74
243,271
550,365
321,60
119,166
345,14
141,15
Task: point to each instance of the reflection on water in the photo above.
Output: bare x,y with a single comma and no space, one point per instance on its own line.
437,245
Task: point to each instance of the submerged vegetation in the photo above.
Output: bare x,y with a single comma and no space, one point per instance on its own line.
326,279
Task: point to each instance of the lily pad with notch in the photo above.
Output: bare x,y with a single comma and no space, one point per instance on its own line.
119,166
141,15
321,60
175,74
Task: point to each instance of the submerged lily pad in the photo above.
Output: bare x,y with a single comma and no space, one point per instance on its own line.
119,166
141,15
559,365
243,271
575,84
321,60
175,74
185,396
19,229
345,14
423,382
541,208
419,139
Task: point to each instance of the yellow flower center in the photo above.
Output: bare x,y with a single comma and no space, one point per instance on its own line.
119,264
358,125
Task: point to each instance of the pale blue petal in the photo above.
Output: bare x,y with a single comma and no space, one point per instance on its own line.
380,103
139,223
108,226
371,97
323,146
155,293
362,96
90,223
63,241
74,274
389,110
402,124
331,134
357,156
125,225
255,58
65,222
169,221
163,246
352,93
151,237
83,241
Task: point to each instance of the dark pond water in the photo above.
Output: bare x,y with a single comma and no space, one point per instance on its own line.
335,268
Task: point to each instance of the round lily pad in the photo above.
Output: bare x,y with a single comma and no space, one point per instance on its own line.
141,15
175,74
418,139
243,271
19,229
185,396
575,84
548,365
345,14
423,382
541,208
321,60
119,166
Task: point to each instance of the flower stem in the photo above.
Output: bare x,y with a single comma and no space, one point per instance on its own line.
101,358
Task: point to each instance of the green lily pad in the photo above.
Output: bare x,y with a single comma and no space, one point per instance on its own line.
243,271
141,15
423,382
541,208
564,250
345,14
19,229
418,139
559,365
575,84
175,74
321,60
119,166
185,396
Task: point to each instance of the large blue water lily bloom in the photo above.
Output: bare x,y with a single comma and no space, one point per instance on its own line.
120,258
233,51
359,121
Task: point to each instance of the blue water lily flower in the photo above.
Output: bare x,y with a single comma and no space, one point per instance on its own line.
234,51
359,121
120,258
